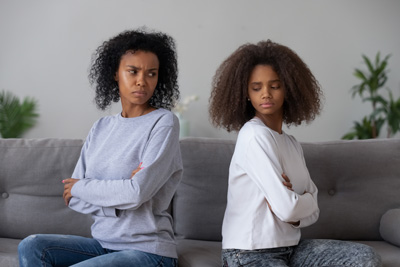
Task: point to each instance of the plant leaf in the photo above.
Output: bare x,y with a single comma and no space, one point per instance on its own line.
16,118
368,63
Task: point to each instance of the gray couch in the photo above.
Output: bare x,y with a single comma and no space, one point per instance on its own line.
358,181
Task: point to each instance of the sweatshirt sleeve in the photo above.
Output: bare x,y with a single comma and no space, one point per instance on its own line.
78,204
263,166
161,161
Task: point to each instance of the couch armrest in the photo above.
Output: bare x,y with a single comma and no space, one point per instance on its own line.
390,226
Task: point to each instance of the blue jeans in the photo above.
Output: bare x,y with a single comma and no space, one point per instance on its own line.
77,251
315,252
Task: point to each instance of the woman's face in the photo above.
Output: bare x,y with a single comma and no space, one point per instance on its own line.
266,91
137,77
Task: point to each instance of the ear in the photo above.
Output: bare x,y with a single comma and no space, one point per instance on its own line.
116,77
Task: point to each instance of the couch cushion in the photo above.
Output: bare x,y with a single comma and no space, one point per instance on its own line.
31,189
390,254
389,228
200,201
9,252
198,253
358,181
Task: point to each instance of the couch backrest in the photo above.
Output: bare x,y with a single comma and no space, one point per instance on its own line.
358,182
199,203
31,171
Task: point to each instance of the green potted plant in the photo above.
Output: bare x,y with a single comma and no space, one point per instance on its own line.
16,117
372,82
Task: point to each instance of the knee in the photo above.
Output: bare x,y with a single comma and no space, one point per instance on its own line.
26,244
31,244
27,250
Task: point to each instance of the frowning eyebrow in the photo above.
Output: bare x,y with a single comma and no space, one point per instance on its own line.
137,68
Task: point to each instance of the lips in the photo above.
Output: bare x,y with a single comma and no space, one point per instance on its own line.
139,93
266,105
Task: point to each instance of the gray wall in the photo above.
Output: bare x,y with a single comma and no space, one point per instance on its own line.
46,48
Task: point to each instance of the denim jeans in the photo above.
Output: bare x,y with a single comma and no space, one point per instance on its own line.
67,250
316,252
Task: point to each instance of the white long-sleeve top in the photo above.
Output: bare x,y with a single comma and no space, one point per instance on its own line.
261,156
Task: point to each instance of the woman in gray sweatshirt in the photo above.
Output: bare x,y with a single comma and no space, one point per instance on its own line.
130,164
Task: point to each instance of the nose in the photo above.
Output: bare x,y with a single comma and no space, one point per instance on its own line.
140,81
265,93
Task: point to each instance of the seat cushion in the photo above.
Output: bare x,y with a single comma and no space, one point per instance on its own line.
390,254
198,253
9,252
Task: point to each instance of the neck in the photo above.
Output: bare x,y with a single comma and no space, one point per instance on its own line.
273,122
136,110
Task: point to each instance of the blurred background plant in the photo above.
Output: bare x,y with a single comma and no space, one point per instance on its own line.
16,117
179,108
183,105
383,110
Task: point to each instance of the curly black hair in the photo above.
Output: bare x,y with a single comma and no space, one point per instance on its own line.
107,57
228,105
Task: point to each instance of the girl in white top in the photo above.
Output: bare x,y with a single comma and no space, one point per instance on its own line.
270,194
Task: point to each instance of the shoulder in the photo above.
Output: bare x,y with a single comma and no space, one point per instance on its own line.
107,119
164,118
256,142
254,138
255,130
103,122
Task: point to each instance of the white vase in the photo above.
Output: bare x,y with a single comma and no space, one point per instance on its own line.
184,126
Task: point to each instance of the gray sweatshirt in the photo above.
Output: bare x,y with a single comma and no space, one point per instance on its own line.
130,213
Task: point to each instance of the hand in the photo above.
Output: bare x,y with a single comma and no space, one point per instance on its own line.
287,182
137,170
68,184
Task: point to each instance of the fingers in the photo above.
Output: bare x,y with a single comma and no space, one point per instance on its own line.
69,181
285,177
67,197
137,169
68,184
288,185
67,194
140,166
287,182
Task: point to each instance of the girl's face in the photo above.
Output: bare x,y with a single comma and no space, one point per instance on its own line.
137,77
266,91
